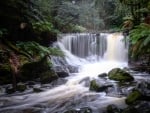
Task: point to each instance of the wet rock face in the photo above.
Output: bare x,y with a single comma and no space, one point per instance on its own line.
120,75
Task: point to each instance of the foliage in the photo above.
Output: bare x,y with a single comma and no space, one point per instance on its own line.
140,38
34,49
3,32
42,26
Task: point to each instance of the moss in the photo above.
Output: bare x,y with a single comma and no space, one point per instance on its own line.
133,96
48,76
94,86
120,75
112,109
21,87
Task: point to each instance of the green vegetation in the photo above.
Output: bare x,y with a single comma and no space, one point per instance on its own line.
36,50
140,38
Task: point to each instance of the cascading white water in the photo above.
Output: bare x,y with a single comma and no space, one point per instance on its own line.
94,54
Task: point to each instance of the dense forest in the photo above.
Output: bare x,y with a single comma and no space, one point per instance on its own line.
28,29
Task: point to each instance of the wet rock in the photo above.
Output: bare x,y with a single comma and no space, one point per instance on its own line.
31,83
40,69
112,109
62,74
61,71
102,75
144,87
59,81
133,96
48,76
120,75
86,110
72,69
85,81
95,86
21,87
37,90
130,110
9,90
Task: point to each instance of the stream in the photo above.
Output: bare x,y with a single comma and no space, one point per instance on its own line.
93,54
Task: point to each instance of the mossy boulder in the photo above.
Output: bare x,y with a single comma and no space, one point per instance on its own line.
112,109
40,69
133,96
48,76
21,87
30,71
120,75
96,86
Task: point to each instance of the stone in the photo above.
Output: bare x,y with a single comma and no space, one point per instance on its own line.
21,87
37,90
62,74
48,76
120,75
102,75
112,109
130,109
95,86
133,96
9,90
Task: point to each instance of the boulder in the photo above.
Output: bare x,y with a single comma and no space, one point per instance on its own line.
62,74
120,75
37,90
112,109
40,69
95,86
48,76
130,109
133,96
9,90
102,75
21,87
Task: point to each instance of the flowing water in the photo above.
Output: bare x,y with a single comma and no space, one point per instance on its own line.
93,54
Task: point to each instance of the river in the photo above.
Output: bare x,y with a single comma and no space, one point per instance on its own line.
93,54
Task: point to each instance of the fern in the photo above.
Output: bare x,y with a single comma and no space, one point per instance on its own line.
42,26
140,39
35,49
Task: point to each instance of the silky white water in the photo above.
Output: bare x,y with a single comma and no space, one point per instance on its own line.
93,54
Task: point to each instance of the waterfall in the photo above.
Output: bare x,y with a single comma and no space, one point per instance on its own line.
93,54
95,47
